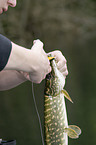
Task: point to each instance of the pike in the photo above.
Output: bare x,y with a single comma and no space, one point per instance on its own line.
56,126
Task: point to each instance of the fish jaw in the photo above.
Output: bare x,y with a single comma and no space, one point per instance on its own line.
55,81
55,120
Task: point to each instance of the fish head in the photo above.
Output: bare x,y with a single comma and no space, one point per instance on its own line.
54,81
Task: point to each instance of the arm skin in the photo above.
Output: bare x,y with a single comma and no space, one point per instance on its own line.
10,79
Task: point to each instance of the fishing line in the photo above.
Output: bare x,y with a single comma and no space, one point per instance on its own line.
38,115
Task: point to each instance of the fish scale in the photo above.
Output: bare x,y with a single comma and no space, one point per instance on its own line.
55,120
55,115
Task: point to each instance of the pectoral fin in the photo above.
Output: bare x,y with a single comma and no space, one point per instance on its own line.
66,95
76,128
73,131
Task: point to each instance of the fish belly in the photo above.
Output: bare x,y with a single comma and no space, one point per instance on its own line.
55,120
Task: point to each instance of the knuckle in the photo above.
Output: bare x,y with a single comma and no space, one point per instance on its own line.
38,42
58,51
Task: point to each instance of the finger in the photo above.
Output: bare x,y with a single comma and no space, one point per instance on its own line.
37,44
63,68
61,64
58,55
27,77
65,73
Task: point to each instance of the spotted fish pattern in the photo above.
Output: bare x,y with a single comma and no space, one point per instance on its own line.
55,116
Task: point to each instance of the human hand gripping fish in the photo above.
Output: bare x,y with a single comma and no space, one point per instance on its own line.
56,125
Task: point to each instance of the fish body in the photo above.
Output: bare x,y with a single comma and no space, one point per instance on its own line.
55,116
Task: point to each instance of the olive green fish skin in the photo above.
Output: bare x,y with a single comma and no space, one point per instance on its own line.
54,109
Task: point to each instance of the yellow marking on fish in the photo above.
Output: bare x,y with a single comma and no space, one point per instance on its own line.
56,135
58,140
54,106
46,96
57,117
47,116
48,121
47,104
54,101
54,111
48,110
62,139
47,100
51,103
52,128
53,141
60,105
61,118
57,129
48,140
53,117
48,136
55,123
61,134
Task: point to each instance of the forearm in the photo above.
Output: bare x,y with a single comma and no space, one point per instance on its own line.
10,79
19,59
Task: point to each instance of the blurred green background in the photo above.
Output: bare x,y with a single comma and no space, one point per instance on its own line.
67,25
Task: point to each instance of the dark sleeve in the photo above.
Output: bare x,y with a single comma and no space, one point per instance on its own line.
5,50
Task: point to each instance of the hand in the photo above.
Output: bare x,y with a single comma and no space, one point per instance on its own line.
41,64
34,61
61,62
25,75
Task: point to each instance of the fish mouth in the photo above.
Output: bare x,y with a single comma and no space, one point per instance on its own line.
49,76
